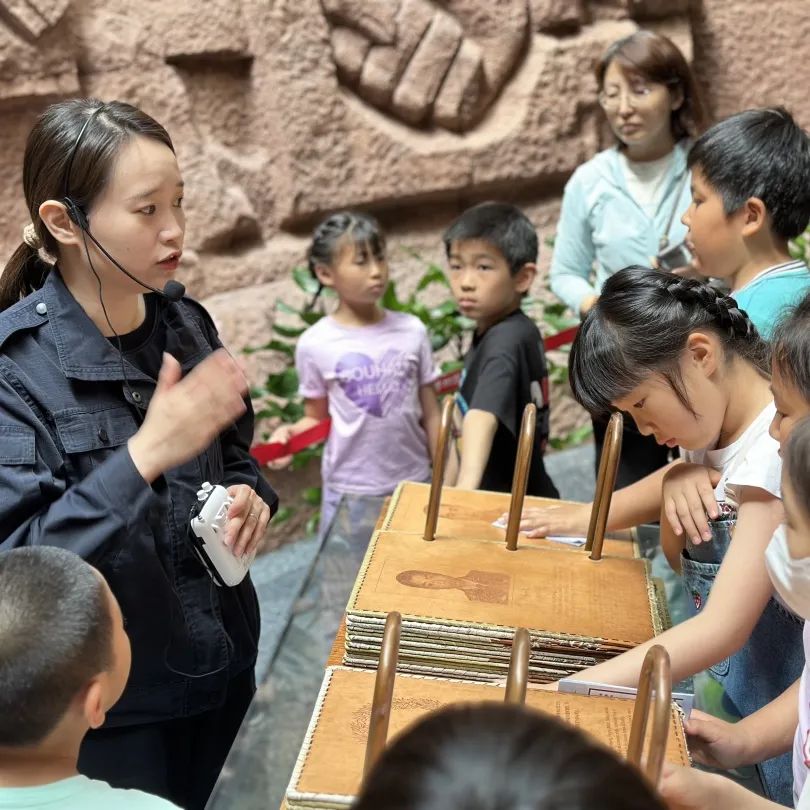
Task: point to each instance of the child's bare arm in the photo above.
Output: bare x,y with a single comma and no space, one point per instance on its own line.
630,506
477,433
315,411
691,789
736,602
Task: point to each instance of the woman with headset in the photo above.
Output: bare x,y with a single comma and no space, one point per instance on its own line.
117,401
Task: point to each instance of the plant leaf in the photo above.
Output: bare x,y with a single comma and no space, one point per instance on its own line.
305,280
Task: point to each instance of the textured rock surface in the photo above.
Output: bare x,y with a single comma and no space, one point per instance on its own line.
284,111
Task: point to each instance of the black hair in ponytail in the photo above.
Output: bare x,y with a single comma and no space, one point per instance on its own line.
640,325
361,228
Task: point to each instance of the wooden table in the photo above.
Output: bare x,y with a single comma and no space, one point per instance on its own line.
339,644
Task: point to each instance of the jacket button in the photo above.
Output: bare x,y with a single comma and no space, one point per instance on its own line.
136,396
103,437
41,308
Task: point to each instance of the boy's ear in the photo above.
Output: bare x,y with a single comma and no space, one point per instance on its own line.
55,217
93,703
524,278
754,216
324,274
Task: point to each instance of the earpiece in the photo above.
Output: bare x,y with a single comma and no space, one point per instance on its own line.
76,213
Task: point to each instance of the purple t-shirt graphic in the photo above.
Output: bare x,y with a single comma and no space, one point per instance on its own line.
371,376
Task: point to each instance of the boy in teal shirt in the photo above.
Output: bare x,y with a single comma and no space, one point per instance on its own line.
750,196
64,662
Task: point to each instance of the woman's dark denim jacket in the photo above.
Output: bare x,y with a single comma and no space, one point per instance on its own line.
67,479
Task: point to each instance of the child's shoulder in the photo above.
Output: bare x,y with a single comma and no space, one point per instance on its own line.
513,329
317,331
403,320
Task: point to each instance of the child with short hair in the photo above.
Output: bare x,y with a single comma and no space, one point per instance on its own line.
64,662
750,196
367,368
493,755
492,253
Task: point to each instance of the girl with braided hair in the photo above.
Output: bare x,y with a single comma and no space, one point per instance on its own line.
367,368
691,369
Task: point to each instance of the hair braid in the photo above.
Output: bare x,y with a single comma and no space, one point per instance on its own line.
721,307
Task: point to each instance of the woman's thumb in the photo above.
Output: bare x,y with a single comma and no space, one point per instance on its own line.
170,372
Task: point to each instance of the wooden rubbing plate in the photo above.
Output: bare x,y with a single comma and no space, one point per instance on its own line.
480,584
329,768
467,513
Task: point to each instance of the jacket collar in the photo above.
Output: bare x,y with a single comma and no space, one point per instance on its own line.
86,354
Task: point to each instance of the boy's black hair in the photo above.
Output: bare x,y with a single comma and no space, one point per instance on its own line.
494,755
501,225
640,325
760,153
790,347
55,636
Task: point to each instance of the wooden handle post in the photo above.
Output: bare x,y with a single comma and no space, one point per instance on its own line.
605,482
383,691
518,678
439,464
521,477
655,677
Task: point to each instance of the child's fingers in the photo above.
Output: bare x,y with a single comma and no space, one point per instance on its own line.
280,463
706,492
698,513
685,517
672,516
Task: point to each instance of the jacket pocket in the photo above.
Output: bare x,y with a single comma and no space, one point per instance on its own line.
17,445
90,436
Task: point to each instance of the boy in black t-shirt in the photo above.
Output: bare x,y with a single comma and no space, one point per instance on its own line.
492,254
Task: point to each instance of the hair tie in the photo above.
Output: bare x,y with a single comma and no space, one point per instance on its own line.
31,237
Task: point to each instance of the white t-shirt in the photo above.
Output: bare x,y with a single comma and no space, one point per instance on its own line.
753,460
646,181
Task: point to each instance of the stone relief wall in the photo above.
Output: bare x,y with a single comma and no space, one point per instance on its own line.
283,110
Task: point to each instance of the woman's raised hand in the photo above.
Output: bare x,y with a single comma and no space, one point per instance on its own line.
187,413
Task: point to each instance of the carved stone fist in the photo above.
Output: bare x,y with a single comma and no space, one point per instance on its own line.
440,63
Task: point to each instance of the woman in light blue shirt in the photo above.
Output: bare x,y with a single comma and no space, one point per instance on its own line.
624,205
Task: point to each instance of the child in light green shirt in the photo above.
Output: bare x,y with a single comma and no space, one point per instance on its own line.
64,662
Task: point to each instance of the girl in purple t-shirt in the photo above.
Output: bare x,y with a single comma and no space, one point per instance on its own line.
369,369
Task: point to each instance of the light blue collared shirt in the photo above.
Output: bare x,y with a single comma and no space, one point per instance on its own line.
602,227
